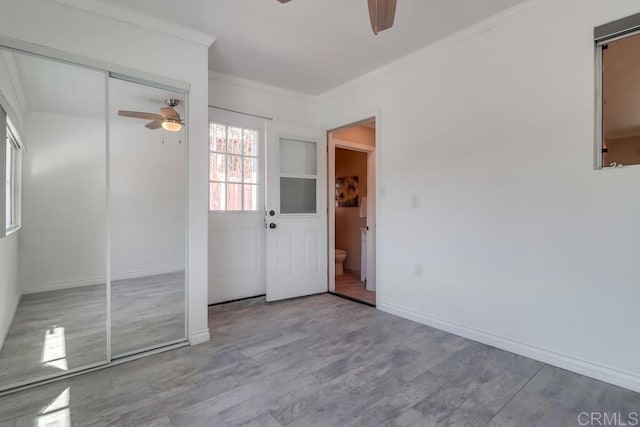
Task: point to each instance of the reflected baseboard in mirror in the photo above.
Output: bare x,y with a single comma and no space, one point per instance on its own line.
55,332
146,311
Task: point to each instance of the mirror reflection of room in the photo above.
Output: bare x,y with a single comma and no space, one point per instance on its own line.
148,216
89,208
53,297
621,102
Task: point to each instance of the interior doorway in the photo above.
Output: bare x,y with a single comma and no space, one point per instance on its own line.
351,219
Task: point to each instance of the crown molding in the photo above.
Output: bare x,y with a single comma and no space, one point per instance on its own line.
262,87
413,57
140,20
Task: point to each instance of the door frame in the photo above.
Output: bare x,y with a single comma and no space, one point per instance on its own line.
375,191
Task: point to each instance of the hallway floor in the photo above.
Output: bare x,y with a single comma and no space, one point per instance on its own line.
320,361
349,284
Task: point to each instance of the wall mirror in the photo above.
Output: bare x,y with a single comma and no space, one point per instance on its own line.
53,282
148,216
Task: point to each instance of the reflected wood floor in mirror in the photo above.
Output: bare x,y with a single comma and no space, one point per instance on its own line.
147,311
56,331
53,332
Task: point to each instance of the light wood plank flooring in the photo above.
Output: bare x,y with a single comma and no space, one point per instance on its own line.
145,311
320,361
53,332
349,284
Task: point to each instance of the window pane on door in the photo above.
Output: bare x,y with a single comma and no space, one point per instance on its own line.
234,141
217,137
298,157
234,169
250,170
234,197
217,196
217,167
250,142
297,195
250,197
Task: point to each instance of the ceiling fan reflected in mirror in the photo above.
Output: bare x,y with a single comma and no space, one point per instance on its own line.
381,12
168,119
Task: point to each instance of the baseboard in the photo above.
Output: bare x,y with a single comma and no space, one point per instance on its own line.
57,286
199,337
148,272
593,370
69,284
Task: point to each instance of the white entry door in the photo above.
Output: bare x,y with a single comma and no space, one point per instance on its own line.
236,206
296,213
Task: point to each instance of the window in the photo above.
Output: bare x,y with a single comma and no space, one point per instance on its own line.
298,176
12,181
618,136
233,168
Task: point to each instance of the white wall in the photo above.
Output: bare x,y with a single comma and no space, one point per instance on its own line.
131,46
524,245
62,240
250,97
9,287
147,200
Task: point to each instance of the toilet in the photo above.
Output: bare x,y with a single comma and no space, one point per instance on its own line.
341,255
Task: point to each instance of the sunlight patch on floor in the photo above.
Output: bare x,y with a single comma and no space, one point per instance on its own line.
54,350
57,413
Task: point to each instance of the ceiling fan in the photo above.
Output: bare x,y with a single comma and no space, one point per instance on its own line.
168,119
381,13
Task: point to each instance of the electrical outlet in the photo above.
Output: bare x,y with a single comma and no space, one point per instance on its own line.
415,201
417,270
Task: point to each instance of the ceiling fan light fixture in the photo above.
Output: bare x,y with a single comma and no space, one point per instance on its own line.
171,125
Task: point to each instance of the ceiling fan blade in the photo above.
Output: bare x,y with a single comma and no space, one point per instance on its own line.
284,1
382,14
156,124
169,113
139,115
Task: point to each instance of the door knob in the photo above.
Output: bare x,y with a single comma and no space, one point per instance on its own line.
272,225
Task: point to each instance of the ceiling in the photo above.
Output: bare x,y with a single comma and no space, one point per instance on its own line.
311,46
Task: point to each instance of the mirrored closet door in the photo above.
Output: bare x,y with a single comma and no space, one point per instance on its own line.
147,199
53,283
92,218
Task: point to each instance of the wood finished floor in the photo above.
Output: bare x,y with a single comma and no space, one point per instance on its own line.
145,311
320,361
349,284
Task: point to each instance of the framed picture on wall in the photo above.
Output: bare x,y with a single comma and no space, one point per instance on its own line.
347,192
